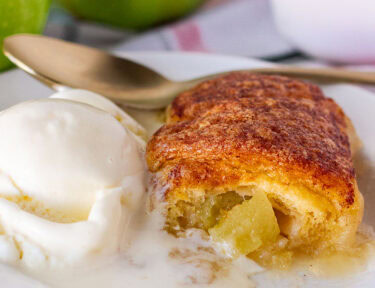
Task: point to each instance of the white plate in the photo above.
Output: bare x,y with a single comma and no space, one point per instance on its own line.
359,104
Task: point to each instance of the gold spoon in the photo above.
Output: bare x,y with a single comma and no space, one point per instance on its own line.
61,64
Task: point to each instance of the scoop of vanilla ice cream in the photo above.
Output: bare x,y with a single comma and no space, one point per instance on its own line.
100,102
71,176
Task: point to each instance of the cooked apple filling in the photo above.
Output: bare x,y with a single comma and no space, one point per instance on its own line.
240,225
203,214
239,237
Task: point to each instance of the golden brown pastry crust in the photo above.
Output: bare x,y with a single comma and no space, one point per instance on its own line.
227,131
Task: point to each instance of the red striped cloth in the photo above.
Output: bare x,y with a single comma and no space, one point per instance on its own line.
188,36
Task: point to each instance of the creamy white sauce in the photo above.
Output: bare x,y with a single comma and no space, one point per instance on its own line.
148,262
153,258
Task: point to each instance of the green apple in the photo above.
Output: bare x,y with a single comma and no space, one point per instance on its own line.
133,14
20,16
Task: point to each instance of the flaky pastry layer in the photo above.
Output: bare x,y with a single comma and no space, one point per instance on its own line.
245,131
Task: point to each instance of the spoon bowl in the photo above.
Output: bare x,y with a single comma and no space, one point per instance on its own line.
66,64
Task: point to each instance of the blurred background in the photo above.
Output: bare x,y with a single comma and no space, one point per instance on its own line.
308,32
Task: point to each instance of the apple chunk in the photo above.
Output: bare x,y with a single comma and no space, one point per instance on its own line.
247,226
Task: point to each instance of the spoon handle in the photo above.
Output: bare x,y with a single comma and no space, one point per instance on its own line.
325,74
335,74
